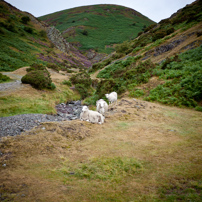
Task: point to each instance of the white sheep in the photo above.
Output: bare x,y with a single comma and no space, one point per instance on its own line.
91,116
102,106
112,97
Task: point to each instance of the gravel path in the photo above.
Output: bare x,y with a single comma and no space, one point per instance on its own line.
15,125
10,85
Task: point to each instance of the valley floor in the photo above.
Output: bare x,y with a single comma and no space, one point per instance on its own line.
143,152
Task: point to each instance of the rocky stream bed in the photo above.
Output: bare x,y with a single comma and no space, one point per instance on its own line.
15,125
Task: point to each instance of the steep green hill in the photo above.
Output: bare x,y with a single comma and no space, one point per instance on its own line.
163,64
98,27
23,41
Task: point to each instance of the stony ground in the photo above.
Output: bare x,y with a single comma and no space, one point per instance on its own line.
15,125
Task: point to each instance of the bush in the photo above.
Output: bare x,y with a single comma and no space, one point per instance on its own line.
81,78
198,108
11,28
199,33
185,85
159,34
122,48
105,86
53,86
91,100
28,30
95,83
43,34
170,31
25,19
85,32
36,66
2,31
139,33
39,79
165,64
149,27
136,93
68,83
83,91
53,66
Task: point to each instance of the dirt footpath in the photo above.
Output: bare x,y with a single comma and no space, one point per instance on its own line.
16,84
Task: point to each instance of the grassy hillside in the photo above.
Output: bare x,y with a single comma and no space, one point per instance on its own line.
144,151
23,40
170,52
98,27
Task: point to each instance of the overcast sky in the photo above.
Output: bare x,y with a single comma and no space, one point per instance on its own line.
156,10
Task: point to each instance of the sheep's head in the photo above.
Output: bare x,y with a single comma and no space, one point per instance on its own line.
107,95
101,104
84,109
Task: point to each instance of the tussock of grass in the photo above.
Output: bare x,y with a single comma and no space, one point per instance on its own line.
103,168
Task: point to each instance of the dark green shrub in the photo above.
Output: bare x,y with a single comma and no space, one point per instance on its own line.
105,86
199,33
136,93
4,78
43,34
2,32
139,33
149,27
28,30
140,73
39,79
95,83
68,83
83,91
165,64
36,66
53,86
170,31
198,108
53,66
11,27
117,55
122,48
81,78
85,32
69,70
184,87
25,20
158,35
164,21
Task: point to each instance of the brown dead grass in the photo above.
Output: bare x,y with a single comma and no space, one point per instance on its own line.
165,139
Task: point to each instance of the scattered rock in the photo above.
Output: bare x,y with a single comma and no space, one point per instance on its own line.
15,125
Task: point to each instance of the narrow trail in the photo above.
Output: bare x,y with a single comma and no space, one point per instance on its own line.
16,84
94,75
8,87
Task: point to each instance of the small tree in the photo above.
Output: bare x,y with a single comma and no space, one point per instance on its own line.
25,20
38,77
